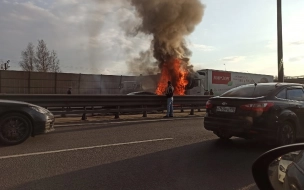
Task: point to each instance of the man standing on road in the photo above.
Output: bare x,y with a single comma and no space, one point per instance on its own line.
169,94
211,92
69,90
206,92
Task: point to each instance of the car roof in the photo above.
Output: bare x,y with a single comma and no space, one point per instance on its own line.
275,84
288,84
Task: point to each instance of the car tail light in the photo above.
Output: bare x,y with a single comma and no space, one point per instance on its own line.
208,104
262,106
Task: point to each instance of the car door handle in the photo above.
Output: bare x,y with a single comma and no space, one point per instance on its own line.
298,107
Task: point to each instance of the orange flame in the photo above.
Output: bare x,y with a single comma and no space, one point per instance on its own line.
173,71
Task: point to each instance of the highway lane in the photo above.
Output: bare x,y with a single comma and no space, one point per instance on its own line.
173,154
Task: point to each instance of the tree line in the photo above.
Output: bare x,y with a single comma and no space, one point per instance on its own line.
41,60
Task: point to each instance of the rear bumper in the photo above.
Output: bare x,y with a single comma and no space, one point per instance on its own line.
238,128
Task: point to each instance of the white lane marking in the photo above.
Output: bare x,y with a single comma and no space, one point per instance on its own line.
248,187
117,122
82,148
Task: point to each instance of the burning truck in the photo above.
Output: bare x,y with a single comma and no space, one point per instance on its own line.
189,82
194,83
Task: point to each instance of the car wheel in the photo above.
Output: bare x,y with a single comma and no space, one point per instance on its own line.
223,135
287,134
15,128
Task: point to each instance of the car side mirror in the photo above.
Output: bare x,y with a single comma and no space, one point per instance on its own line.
281,168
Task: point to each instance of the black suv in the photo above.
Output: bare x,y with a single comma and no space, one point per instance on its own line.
272,111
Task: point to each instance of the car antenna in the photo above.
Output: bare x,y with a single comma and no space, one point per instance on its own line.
255,84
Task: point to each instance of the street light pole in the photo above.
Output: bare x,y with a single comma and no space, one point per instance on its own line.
280,42
6,66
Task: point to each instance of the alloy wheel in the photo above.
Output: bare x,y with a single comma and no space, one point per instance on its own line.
14,129
287,135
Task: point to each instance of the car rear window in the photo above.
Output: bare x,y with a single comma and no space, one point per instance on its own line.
249,91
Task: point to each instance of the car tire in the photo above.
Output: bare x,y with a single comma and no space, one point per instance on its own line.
286,134
15,128
223,135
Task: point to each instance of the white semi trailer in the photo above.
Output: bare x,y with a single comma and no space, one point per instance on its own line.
222,81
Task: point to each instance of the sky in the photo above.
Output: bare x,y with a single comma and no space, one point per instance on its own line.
234,35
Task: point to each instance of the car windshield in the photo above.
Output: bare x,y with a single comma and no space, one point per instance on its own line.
249,91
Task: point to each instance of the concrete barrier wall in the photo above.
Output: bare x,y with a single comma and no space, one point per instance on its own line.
14,82
42,83
22,82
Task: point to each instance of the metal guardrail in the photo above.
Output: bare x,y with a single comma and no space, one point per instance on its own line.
106,103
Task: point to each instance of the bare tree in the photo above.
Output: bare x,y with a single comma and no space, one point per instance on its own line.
42,62
54,62
28,58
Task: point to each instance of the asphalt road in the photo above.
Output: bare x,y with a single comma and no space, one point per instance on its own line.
171,154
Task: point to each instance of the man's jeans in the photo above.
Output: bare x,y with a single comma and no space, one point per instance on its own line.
170,106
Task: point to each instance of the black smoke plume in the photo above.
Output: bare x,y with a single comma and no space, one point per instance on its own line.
169,22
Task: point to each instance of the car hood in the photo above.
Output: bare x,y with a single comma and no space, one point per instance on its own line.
12,102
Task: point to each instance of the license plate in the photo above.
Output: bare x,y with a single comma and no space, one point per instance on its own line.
225,109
